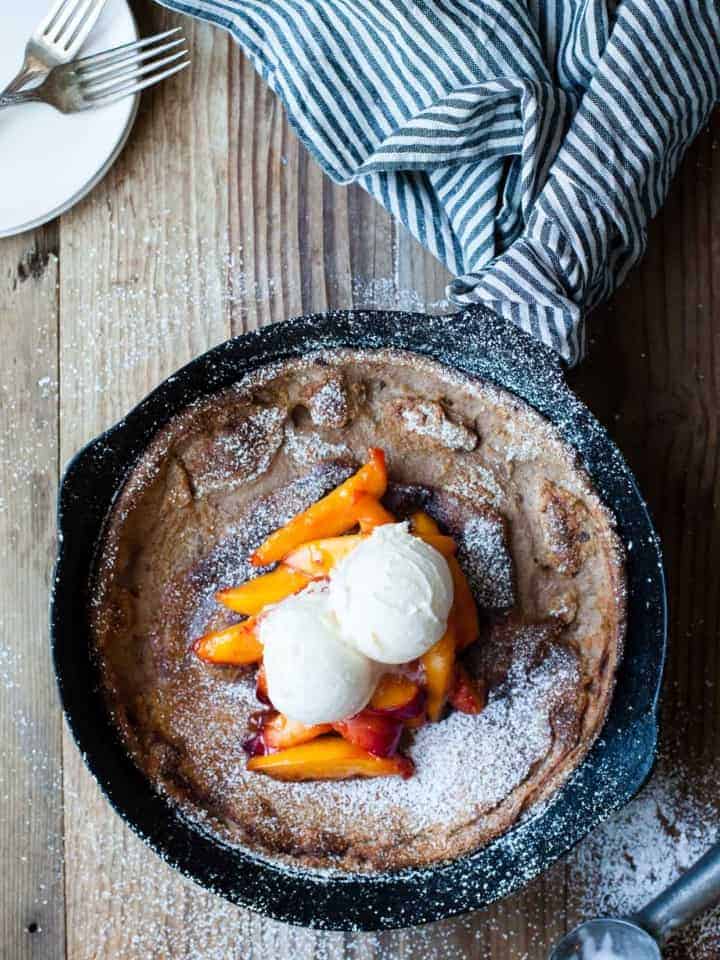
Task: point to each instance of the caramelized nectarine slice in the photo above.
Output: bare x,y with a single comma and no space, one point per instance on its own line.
317,558
329,758
236,645
371,513
423,525
373,732
439,664
253,595
398,697
334,514
280,732
466,694
464,608
444,545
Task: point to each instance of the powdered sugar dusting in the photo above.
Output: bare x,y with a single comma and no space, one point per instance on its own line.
309,448
137,901
650,843
482,551
428,419
594,950
244,453
465,765
328,406
229,563
479,482
364,821
503,742
370,946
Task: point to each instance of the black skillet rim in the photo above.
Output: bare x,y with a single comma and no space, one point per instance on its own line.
480,344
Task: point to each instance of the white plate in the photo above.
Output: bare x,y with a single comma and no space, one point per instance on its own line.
50,160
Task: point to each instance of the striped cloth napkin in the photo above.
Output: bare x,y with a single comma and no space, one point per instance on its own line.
526,143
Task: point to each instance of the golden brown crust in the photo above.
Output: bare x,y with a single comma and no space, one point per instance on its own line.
535,539
565,525
429,423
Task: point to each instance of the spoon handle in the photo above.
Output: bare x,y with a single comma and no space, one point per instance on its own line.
696,890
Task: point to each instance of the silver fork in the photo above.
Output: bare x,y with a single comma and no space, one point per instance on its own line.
106,77
57,39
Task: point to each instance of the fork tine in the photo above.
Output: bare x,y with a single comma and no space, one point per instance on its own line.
107,56
81,26
111,82
132,88
60,21
52,15
88,74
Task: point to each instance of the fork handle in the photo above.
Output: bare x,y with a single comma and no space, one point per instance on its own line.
11,99
26,75
32,69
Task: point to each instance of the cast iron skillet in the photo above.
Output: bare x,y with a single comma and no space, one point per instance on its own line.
480,344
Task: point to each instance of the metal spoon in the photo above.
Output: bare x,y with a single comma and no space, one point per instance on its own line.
641,935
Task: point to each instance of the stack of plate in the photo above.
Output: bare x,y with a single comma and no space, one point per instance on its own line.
50,160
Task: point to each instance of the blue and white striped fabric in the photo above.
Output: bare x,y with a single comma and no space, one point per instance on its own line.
526,143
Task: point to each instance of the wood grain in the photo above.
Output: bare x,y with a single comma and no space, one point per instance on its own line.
298,243
216,221
653,378
144,279
32,921
421,275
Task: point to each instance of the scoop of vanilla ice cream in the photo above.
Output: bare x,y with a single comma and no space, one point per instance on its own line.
392,595
313,675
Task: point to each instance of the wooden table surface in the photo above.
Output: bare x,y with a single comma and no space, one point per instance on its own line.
213,222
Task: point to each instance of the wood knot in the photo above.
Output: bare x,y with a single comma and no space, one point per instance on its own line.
33,265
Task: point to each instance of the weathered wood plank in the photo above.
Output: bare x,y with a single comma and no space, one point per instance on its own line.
297,241
144,263
653,377
32,914
421,277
